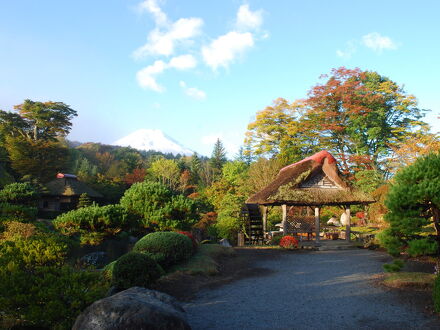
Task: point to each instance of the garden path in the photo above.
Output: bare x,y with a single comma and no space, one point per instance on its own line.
309,290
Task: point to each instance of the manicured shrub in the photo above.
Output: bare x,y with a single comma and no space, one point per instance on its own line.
436,294
421,247
107,271
191,237
174,246
109,220
395,266
289,242
135,269
158,207
19,193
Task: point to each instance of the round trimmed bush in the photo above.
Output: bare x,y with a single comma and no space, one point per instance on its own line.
175,247
135,269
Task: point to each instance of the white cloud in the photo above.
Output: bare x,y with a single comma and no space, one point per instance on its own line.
247,19
193,92
153,8
183,62
164,42
377,42
226,48
349,50
147,76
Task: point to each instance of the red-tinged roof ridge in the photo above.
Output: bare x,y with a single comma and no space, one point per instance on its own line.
318,157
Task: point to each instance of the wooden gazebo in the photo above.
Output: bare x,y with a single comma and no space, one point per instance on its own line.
312,182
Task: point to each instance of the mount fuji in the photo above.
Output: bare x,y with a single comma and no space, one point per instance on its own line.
153,139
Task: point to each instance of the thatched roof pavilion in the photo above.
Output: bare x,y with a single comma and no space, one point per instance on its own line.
314,182
69,185
63,193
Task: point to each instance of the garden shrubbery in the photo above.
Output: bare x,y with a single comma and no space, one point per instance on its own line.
38,288
94,222
173,246
158,208
395,266
19,193
13,212
289,242
135,269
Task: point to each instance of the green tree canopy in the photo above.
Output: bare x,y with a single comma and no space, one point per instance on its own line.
218,157
38,120
158,207
357,115
31,137
166,171
413,203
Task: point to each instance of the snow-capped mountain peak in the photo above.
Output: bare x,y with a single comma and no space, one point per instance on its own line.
152,139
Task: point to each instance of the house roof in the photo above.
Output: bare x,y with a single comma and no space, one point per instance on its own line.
313,181
69,185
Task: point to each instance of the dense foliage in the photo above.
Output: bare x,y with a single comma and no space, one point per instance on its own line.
135,269
414,206
106,220
173,246
19,193
38,288
158,207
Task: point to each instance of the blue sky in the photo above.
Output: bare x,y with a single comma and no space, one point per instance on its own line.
199,70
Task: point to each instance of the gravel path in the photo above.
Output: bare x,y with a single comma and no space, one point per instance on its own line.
314,290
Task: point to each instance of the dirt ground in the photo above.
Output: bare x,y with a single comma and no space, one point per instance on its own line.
184,287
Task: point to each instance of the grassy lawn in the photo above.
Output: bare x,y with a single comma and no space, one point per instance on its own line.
204,261
409,280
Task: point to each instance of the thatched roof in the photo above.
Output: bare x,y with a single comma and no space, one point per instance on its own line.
313,181
69,185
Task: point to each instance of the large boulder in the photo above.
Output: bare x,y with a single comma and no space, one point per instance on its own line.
134,308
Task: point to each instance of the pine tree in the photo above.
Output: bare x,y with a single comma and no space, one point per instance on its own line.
195,167
414,204
218,158
84,201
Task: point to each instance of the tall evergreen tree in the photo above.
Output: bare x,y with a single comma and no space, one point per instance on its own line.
218,158
195,167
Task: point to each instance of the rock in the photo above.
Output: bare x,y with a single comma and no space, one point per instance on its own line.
96,259
225,242
134,308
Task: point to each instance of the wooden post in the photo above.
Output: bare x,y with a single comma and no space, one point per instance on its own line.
284,222
365,215
317,224
264,209
348,227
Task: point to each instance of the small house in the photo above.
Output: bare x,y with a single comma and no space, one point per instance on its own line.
62,194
